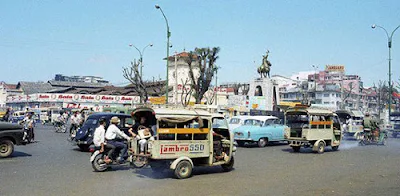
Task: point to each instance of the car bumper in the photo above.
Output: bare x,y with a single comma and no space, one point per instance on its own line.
82,142
244,139
304,143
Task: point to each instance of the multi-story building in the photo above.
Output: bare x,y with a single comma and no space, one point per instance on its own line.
7,90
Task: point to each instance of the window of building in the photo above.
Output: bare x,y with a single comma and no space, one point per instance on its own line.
326,95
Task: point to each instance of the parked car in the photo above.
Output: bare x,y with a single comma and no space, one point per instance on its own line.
260,131
84,135
17,117
10,135
237,121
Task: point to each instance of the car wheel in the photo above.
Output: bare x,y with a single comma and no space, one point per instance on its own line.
321,147
240,143
228,166
84,147
262,142
6,148
296,148
394,135
183,169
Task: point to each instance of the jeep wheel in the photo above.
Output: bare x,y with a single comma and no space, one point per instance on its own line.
296,148
335,148
321,147
228,166
183,169
6,148
262,142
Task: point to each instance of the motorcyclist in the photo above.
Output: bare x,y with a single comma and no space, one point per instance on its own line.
113,136
75,122
28,123
370,124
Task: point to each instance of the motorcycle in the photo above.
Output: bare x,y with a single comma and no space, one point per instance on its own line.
99,164
377,137
60,127
28,135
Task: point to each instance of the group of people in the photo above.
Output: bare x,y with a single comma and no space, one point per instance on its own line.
113,138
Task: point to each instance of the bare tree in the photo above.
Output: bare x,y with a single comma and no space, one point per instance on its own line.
203,59
347,95
186,93
210,96
132,75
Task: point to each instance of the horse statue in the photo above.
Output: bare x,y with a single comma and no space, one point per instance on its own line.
265,68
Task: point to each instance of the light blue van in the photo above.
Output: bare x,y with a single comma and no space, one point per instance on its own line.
260,131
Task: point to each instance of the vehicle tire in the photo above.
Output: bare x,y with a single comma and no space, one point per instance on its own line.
138,162
97,164
229,166
296,148
183,169
6,148
84,147
394,135
64,128
335,148
262,142
240,143
321,147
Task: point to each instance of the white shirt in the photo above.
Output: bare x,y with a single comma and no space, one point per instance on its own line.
76,119
98,136
113,131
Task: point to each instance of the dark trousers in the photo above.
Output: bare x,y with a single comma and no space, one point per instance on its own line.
108,147
120,145
73,127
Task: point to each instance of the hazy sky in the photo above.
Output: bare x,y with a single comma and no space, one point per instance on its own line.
39,39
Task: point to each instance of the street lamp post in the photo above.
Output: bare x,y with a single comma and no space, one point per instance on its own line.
390,59
168,35
141,56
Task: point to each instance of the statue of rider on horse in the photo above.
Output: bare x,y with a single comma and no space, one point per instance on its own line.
265,67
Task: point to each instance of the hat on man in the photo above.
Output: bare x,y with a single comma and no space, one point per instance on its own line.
115,119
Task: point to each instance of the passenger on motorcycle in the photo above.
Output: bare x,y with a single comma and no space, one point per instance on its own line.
99,140
113,136
144,126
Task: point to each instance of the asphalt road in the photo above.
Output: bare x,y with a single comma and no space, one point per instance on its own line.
53,166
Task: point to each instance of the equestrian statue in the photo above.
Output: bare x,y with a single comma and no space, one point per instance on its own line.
265,67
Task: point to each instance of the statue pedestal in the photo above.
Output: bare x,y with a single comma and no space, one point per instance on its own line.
263,94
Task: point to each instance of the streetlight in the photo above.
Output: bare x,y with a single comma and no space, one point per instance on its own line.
315,76
216,83
390,59
168,35
141,56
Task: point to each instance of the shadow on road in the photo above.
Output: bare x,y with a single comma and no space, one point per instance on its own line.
270,144
167,173
20,154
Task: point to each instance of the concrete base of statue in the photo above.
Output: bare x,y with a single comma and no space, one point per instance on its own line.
262,94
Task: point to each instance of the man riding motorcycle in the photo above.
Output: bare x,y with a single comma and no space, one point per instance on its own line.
372,125
113,136
99,140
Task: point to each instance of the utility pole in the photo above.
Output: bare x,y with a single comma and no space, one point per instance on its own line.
176,79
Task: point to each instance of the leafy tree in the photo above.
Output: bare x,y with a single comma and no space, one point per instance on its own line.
202,59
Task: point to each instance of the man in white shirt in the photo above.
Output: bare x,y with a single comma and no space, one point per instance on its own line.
99,140
75,122
113,134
